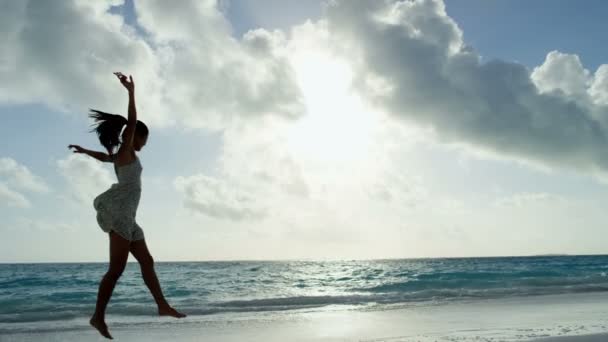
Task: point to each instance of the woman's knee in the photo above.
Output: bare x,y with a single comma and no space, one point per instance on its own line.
146,262
115,271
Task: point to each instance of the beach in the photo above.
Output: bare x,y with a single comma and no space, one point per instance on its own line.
583,338
557,298
579,317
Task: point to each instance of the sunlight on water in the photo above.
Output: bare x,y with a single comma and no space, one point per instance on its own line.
46,292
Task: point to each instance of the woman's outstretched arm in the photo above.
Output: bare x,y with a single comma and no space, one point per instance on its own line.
104,157
129,133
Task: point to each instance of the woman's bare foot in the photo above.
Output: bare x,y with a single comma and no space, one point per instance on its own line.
101,326
169,311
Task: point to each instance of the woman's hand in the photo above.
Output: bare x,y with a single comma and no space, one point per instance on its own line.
77,149
127,83
97,155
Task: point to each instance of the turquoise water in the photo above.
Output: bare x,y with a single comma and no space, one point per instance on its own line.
32,293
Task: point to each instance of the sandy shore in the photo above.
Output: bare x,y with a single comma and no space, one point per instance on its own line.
581,338
562,318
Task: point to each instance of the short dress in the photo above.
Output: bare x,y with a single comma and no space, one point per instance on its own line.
116,207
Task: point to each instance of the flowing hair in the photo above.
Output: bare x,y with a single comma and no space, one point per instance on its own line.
108,128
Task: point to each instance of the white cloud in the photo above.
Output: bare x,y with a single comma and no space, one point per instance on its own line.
85,177
440,82
212,78
62,54
218,199
398,188
44,225
563,72
188,69
12,198
16,176
599,87
20,176
526,199
409,58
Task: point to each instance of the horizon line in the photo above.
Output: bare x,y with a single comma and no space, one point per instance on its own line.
313,260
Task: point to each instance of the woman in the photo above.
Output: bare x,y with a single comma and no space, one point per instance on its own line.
116,208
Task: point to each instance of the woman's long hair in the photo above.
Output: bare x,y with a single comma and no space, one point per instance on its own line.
108,128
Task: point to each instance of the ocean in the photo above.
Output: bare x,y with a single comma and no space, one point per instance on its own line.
34,296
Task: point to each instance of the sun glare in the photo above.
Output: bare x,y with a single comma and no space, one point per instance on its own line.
337,126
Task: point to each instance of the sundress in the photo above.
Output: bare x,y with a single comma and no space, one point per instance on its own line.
116,207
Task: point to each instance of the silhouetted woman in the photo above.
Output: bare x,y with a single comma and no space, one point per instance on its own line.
116,207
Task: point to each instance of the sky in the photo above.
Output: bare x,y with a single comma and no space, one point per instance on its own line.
310,129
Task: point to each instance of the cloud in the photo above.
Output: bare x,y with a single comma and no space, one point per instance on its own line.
408,57
599,86
270,167
525,199
218,199
562,72
16,176
44,225
12,198
434,79
62,54
212,78
398,188
85,178
187,66
20,176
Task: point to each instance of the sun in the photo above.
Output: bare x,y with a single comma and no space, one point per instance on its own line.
337,126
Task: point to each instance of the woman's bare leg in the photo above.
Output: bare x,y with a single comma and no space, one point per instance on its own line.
139,249
119,253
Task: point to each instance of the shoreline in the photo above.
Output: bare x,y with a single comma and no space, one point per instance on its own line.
550,255
577,338
551,318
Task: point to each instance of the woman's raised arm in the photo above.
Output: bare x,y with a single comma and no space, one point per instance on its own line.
129,133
